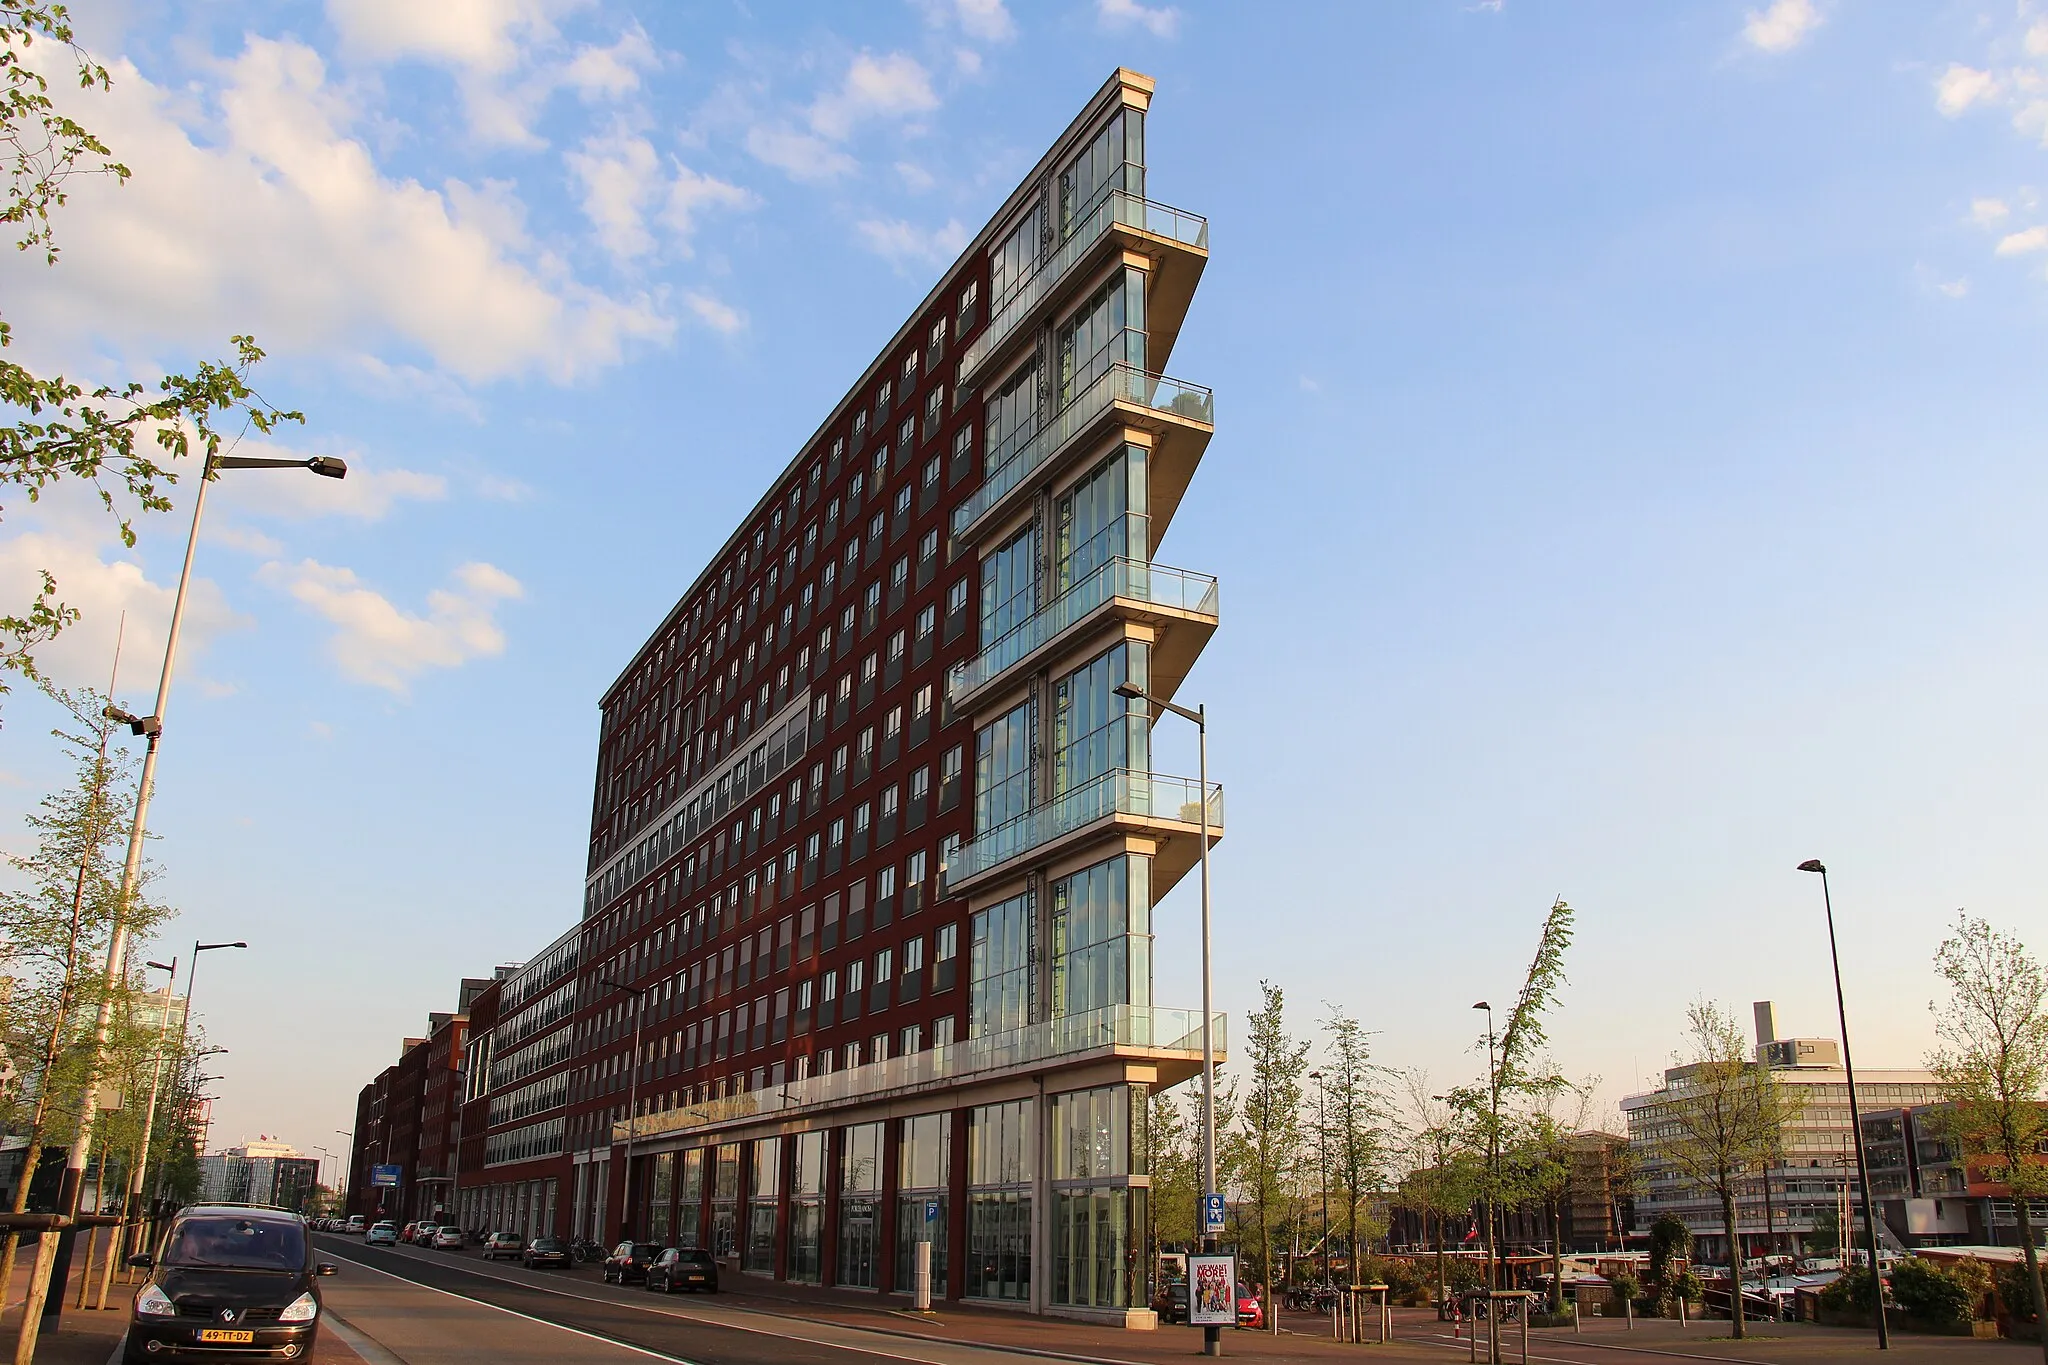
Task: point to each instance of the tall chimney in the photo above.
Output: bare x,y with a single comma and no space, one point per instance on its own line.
1766,1022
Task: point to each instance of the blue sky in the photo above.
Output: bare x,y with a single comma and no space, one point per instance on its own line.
1626,484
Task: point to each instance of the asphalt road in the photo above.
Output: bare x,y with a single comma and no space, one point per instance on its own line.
422,1308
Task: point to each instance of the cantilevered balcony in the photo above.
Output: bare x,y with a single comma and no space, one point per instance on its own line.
1180,417
1177,244
1181,604
1170,1039
1121,800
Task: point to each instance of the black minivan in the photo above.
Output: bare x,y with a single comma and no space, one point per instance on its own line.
232,1280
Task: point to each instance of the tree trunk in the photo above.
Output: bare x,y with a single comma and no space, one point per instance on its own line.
1734,1259
2019,1205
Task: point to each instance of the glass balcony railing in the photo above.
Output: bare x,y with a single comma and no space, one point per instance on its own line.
1120,208
1130,578
1153,1029
1010,463
1120,791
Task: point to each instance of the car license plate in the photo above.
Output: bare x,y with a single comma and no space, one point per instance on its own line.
696,1279
211,1335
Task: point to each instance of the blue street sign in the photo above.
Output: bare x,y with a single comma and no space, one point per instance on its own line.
1212,1213
931,1210
385,1176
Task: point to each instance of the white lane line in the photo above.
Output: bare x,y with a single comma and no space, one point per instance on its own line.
120,1343
826,1333
1459,1343
525,1317
373,1352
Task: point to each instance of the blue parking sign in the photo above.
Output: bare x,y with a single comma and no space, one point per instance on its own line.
931,1210
1212,1214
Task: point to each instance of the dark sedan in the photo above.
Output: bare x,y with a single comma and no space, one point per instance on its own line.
232,1281
629,1261
1171,1302
545,1251
690,1268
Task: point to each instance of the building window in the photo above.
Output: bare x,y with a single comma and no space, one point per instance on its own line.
1001,965
860,1187
1002,1160
945,953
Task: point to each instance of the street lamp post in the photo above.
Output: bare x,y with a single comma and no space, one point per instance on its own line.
348,1174
53,1256
1492,1150
156,1075
1212,1335
1884,1336
632,1103
185,1027
1323,1167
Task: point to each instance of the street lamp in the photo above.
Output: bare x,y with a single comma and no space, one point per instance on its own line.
348,1173
1492,1147
1323,1167
151,726
1884,1336
640,994
1212,1335
156,1075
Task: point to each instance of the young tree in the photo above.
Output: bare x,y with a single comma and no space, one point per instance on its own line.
1992,1063
1354,1119
1722,1116
104,435
1271,1127
1445,1173
1517,1076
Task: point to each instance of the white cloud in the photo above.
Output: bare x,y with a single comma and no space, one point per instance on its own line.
279,222
904,243
1985,212
1161,21
874,87
987,20
1961,86
243,539
2022,243
1782,27
623,182
915,177
378,643
798,155
115,596
612,72
719,317
485,43
1954,289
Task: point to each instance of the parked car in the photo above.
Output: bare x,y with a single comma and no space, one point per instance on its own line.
629,1261
677,1268
1171,1302
232,1280
447,1238
382,1235
423,1234
1250,1312
355,1223
546,1251
506,1244
405,1233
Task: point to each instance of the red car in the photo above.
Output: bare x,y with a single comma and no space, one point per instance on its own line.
1250,1312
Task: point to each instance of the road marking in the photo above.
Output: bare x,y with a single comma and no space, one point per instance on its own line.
120,1342
371,1350
941,1344
1459,1343
527,1317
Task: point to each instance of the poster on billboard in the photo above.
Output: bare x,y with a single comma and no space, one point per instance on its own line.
1212,1290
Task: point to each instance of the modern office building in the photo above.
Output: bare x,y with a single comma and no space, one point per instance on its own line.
260,1172
1928,1193
865,953
875,840
1803,1187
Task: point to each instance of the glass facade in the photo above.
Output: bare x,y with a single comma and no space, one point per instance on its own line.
1096,1206
1001,980
1101,518
1114,159
1094,730
660,1193
1102,936
725,1192
860,1189
1109,329
1002,1162
1002,769
923,1173
764,1187
689,1224
807,1207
